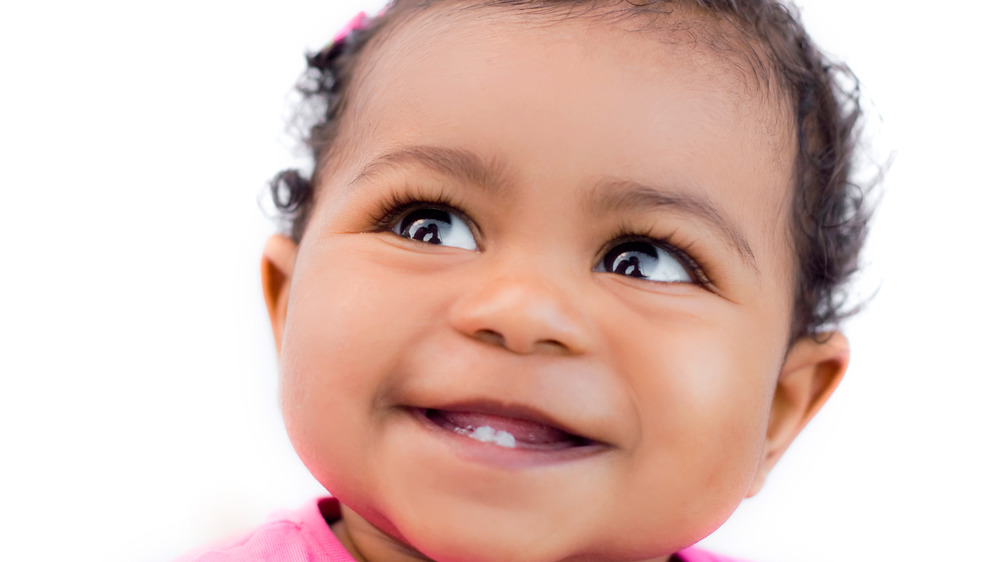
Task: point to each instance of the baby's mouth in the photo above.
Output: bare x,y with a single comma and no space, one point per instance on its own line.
504,431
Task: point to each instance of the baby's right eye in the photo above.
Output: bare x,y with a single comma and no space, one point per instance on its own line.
432,225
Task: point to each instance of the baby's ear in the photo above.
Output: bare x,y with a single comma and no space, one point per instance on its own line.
812,370
276,275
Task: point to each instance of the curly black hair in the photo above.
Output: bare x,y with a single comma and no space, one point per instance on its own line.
830,214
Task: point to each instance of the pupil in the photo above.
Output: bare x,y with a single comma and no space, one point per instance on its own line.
427,233
426,225
631,259
629,266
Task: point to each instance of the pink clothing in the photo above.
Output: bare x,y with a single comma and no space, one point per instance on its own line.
304,535
697,555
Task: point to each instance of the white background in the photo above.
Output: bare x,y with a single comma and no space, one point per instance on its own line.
138,404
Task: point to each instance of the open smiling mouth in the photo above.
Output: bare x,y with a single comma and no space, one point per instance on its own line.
504,431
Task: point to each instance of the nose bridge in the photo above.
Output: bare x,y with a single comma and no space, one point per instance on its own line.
526,305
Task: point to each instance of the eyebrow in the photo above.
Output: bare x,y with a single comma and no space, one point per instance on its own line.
627,195
455,162
608,195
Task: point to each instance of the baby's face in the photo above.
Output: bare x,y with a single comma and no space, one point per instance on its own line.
543,302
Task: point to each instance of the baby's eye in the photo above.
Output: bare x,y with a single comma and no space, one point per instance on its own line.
645,261
435,226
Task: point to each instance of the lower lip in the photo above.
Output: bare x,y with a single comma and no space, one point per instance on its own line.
473,450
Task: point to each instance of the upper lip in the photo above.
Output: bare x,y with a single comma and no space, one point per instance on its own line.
514,411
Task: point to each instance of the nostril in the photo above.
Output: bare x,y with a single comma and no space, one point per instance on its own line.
491,337
495,338
553,344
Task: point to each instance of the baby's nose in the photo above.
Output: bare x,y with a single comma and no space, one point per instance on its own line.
524,315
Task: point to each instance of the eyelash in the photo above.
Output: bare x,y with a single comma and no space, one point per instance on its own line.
392,208
396,204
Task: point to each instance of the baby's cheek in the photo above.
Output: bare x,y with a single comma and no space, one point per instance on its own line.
308,407
319,401
704,423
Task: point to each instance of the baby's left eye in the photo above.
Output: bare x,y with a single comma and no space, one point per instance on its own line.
435,226
644,260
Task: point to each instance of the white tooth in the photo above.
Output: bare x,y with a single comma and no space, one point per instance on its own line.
487,434
484,433
505,439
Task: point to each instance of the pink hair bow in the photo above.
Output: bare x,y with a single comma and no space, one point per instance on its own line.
360,21
357,23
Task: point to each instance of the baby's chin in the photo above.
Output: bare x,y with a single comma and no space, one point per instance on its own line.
429,526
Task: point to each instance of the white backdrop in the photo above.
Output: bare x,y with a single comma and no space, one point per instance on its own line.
138,404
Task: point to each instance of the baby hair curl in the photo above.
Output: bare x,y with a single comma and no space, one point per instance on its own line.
830,216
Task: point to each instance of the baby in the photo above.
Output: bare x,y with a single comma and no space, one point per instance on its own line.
564,282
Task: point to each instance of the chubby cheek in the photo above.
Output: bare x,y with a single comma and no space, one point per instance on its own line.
702,389
344,329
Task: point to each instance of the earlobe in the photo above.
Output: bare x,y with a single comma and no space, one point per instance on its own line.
812,370
276,267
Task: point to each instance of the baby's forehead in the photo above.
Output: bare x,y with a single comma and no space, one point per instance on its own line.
644,42
722,46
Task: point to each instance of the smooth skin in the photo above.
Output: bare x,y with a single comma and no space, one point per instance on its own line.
553,142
